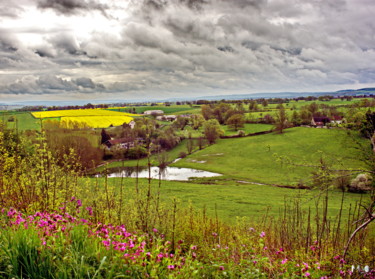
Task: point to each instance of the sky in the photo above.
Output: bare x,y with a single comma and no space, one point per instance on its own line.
103,50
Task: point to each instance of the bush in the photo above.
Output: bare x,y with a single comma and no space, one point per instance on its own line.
360,184
241,133
182,154
136,153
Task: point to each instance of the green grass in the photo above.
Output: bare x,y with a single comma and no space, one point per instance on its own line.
23,121
255,158
173,109
248,129
234,199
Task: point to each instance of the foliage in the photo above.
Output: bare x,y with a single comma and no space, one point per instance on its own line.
361,184
281,120
236,121
212,130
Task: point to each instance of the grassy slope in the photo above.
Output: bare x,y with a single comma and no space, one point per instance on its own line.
25,121
174,109
248,129
237,199
255,158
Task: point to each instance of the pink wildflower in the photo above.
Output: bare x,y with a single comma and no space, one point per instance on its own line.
171,267
284,261
221,267
307,274
155,230
262,234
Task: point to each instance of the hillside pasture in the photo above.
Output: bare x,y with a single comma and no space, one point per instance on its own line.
173,109
22,121
258,159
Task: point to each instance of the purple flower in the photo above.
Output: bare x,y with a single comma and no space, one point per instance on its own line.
89,209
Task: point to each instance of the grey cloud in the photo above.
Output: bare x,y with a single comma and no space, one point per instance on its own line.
8,42
68,7
51,84
10,10
67,43
88,83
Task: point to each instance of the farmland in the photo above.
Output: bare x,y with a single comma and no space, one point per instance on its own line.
93,118
94,121
285,191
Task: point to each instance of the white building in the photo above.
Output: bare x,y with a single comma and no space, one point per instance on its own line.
156,111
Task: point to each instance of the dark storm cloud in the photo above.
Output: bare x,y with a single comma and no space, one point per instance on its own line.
8,42
9,9
50,84
66,43
68,7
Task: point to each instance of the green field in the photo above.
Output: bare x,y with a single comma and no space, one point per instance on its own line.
23,121
254,159
248,129
235,199
173,109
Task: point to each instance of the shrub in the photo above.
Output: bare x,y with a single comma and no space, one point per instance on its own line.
360,184
136,152
182,154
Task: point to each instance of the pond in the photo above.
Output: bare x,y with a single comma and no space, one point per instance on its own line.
168,173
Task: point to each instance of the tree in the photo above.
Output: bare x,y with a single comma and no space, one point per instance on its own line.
253,106
105,136
264,103
236,121
180,122
281,120
212,130
207,112
196,121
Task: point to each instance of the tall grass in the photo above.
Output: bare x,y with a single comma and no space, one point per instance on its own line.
133,234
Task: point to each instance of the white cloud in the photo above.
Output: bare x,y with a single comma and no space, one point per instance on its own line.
156,48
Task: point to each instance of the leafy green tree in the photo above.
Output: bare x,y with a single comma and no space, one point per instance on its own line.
212,130
281,120
207,112
196,121
253,106
236,121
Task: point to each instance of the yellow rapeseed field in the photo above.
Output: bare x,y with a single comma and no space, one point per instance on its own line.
94,121
78,112
86,118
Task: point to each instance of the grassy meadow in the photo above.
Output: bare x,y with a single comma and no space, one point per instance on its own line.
256,159
229,199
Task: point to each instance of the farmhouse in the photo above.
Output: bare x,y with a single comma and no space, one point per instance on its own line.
156,111
166,118
336,119
123,143
320,121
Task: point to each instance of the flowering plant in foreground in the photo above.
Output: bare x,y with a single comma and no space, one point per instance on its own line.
132,254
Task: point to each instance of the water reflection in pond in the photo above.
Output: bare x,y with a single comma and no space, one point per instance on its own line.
168,173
